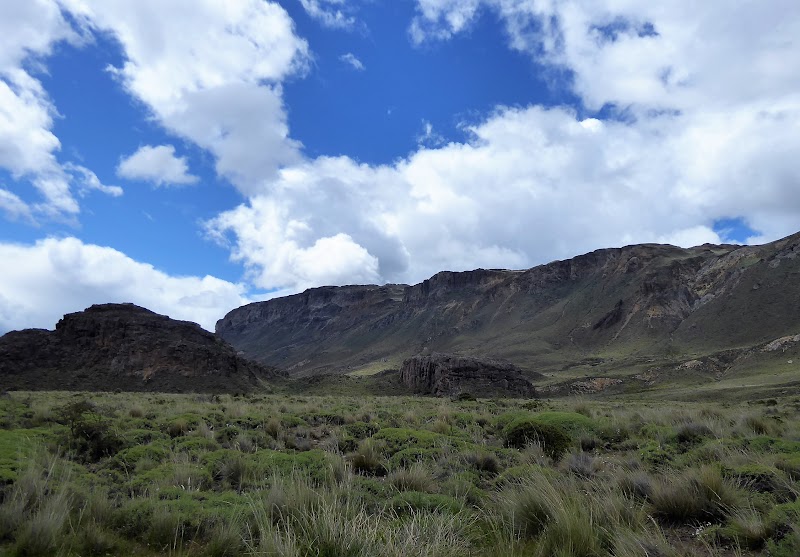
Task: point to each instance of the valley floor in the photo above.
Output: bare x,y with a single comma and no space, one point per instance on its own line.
290,475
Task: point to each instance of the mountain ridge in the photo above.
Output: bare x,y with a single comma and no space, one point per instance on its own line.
638,301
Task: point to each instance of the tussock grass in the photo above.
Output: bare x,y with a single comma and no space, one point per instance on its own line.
304,475
416,478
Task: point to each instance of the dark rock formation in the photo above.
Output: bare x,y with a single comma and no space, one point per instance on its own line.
123,346
448,375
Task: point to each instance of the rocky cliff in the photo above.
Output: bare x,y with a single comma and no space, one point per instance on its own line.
613,306
448,375
123,346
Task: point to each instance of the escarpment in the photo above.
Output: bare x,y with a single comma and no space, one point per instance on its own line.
631,304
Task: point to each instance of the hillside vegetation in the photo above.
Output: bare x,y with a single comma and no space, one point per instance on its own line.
147,474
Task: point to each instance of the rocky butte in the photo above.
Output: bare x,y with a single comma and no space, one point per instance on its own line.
123,346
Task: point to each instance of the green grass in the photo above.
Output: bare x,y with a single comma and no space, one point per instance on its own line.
331,475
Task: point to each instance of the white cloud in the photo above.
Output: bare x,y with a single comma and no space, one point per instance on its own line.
429,137
441,19
28,146
651,55
712,132
694,236
158,165
330,13
210,72
88,180
532,185
351,59
43,281
14,207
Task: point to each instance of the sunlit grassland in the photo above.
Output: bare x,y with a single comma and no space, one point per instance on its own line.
147,474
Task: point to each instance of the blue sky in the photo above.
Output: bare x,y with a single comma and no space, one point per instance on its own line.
195,156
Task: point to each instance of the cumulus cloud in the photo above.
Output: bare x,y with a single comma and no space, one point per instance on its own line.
28,147
351,60
210,72
706,128
158,165
677,56
330,13
42,281
531,185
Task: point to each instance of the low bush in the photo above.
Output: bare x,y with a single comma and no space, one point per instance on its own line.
553,439
483,461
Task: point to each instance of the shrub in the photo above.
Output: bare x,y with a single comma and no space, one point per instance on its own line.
689,433
361,430
90,433
464,397
396,439
571,422
790,466
757,478
553,439
178,427
483,462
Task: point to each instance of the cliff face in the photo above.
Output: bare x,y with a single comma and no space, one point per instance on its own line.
124,346
632,303
448,375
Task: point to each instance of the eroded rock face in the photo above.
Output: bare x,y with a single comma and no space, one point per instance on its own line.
641,301
123,346
448,375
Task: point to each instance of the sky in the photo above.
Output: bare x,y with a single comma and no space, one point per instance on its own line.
192,156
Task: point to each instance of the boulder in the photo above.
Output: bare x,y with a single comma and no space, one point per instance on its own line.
449,375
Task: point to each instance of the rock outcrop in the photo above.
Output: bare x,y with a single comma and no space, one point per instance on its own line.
123,346
449,375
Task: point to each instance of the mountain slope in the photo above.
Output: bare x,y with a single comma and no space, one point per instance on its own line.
612,307
123,346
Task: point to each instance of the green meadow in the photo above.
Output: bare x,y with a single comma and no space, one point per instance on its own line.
289,475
